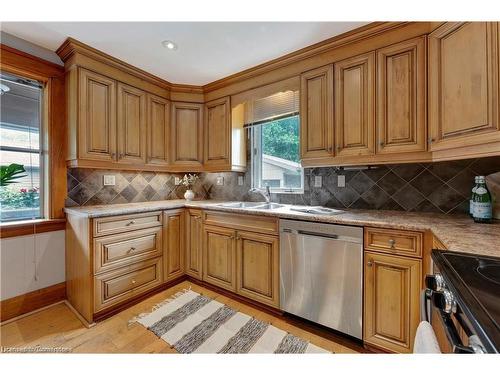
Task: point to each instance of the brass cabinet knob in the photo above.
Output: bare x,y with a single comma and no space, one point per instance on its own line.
131,222
392,242
133,281
370,263
131,249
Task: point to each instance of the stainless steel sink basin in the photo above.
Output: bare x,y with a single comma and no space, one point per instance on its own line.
269,206
240,204
252,205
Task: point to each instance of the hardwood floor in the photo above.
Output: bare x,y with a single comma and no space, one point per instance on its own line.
58,327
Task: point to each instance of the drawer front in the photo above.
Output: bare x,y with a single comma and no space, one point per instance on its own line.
120,285
394,241
253,223
111,252
125,223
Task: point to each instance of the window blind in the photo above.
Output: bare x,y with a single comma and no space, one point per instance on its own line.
273,107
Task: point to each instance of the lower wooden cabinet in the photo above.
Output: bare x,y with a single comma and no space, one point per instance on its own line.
219,257
241,261
194,243
125,283
173,243
258,267
392,296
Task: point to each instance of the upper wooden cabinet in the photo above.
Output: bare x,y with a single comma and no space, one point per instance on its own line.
354,105
158,130
96,122
463,85
131,119
173,243
187,136
217,150
316,113
401,97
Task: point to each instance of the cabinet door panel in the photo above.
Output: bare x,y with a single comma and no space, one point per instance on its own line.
354,105
219,258
258,267
392,299
158,130
174,237
463,84
401,122
194,241
316,113
97,117
187,135
218,134
131,125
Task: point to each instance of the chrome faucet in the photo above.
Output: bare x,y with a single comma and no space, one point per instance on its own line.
266,194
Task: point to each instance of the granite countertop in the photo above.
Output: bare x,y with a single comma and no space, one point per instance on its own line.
456,232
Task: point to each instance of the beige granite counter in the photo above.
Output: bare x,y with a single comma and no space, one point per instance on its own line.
457,232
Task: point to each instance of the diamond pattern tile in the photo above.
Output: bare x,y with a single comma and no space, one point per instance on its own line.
433,187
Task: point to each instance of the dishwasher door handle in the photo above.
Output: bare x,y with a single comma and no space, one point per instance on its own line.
316,234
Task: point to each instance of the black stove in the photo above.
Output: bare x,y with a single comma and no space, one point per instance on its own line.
474,283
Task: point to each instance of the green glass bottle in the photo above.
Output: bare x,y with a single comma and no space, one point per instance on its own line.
471,201
482,202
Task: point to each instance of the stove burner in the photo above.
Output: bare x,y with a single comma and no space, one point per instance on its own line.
489,271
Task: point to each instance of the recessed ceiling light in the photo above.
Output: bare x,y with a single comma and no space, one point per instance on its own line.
168,44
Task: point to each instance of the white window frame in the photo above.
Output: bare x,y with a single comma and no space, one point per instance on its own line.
41,172
256,163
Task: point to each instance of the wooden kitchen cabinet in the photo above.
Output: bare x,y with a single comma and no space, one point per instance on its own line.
173,243
401,97
194,243
355,105
316,113
391,300
217,135
463,86
96,116
187,136
158,130
258,267
219,257
131,125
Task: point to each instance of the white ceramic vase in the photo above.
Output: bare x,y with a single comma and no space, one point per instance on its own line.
189,195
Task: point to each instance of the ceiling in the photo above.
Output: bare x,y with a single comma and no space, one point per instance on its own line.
207,51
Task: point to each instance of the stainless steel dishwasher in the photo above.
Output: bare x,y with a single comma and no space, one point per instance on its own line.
321,277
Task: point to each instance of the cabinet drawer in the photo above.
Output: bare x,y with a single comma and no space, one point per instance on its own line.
119,250
126,223
124,283
394,241
260,224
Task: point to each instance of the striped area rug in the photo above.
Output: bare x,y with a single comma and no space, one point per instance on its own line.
193,323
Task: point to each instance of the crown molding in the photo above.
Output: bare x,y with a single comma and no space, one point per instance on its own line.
72,46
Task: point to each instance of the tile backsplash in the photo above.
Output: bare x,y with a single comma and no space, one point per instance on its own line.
432,187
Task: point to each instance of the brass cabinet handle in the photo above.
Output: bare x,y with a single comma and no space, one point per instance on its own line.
392,242
133,281
131,222
131,249
370,263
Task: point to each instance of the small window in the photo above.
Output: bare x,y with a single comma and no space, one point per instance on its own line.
276,155
20,143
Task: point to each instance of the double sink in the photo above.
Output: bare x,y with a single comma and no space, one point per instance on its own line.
317,210
252,205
